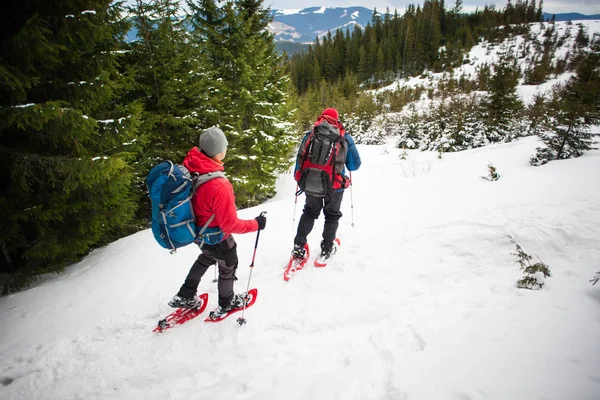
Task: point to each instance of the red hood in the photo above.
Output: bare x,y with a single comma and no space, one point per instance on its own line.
332,121
195,161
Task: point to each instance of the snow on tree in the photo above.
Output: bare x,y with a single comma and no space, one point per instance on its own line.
66,186
534,275
565,128
252,93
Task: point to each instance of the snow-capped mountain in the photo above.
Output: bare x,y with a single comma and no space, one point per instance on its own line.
302,26
569,16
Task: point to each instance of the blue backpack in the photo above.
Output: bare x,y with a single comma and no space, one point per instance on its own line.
170,188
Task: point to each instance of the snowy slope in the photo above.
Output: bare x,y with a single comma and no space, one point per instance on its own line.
486,53
420,303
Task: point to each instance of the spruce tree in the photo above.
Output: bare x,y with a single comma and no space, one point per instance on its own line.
501,109
412,130
565,129
435,122
253,106
585,86
460,129
170,82
582,39
65,184
536,113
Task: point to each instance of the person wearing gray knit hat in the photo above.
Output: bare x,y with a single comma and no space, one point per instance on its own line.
216,217
212,141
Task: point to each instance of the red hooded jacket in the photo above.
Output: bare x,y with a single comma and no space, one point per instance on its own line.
215,197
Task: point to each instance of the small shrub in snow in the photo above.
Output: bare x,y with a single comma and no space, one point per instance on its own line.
534,275
492,174
596,278
403,154
542,156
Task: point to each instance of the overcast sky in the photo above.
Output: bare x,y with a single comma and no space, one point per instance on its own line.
550,6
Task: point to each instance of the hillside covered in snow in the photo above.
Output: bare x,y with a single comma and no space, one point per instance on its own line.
450,108
432,295
421,301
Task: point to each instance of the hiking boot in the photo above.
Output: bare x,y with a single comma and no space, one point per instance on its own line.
237,301
184,302
299,252
326,254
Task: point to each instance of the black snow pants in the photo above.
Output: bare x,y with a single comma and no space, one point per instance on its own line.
330,205
225,255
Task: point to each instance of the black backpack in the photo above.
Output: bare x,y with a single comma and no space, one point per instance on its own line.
321,160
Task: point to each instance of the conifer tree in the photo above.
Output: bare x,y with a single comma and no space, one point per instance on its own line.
363,63
170,81
585,87
65,184
461,129
435,122
432,35
501,109
565,129
582,39
412,130
536,113
253,108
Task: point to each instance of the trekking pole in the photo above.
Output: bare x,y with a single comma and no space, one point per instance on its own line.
216,267
351,200
241,320
295,205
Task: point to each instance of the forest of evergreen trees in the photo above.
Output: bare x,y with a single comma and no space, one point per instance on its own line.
342,68
433,36
85,114
426,36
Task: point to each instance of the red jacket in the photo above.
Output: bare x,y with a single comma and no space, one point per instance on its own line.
215,197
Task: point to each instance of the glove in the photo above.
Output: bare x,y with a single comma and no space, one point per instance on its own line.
262,222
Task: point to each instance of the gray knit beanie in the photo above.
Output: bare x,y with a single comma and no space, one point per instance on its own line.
212,141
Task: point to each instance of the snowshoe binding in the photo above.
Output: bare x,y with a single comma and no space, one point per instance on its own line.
297,261
326,254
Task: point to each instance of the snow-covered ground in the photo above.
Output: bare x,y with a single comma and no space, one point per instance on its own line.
420,302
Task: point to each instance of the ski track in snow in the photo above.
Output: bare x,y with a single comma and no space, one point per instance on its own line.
419,303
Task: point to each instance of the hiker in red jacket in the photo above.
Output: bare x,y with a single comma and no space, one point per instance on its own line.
214,197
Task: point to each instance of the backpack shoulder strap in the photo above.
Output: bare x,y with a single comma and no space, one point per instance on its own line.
198,179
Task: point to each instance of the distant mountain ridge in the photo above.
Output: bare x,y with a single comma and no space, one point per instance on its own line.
570,16
303,26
